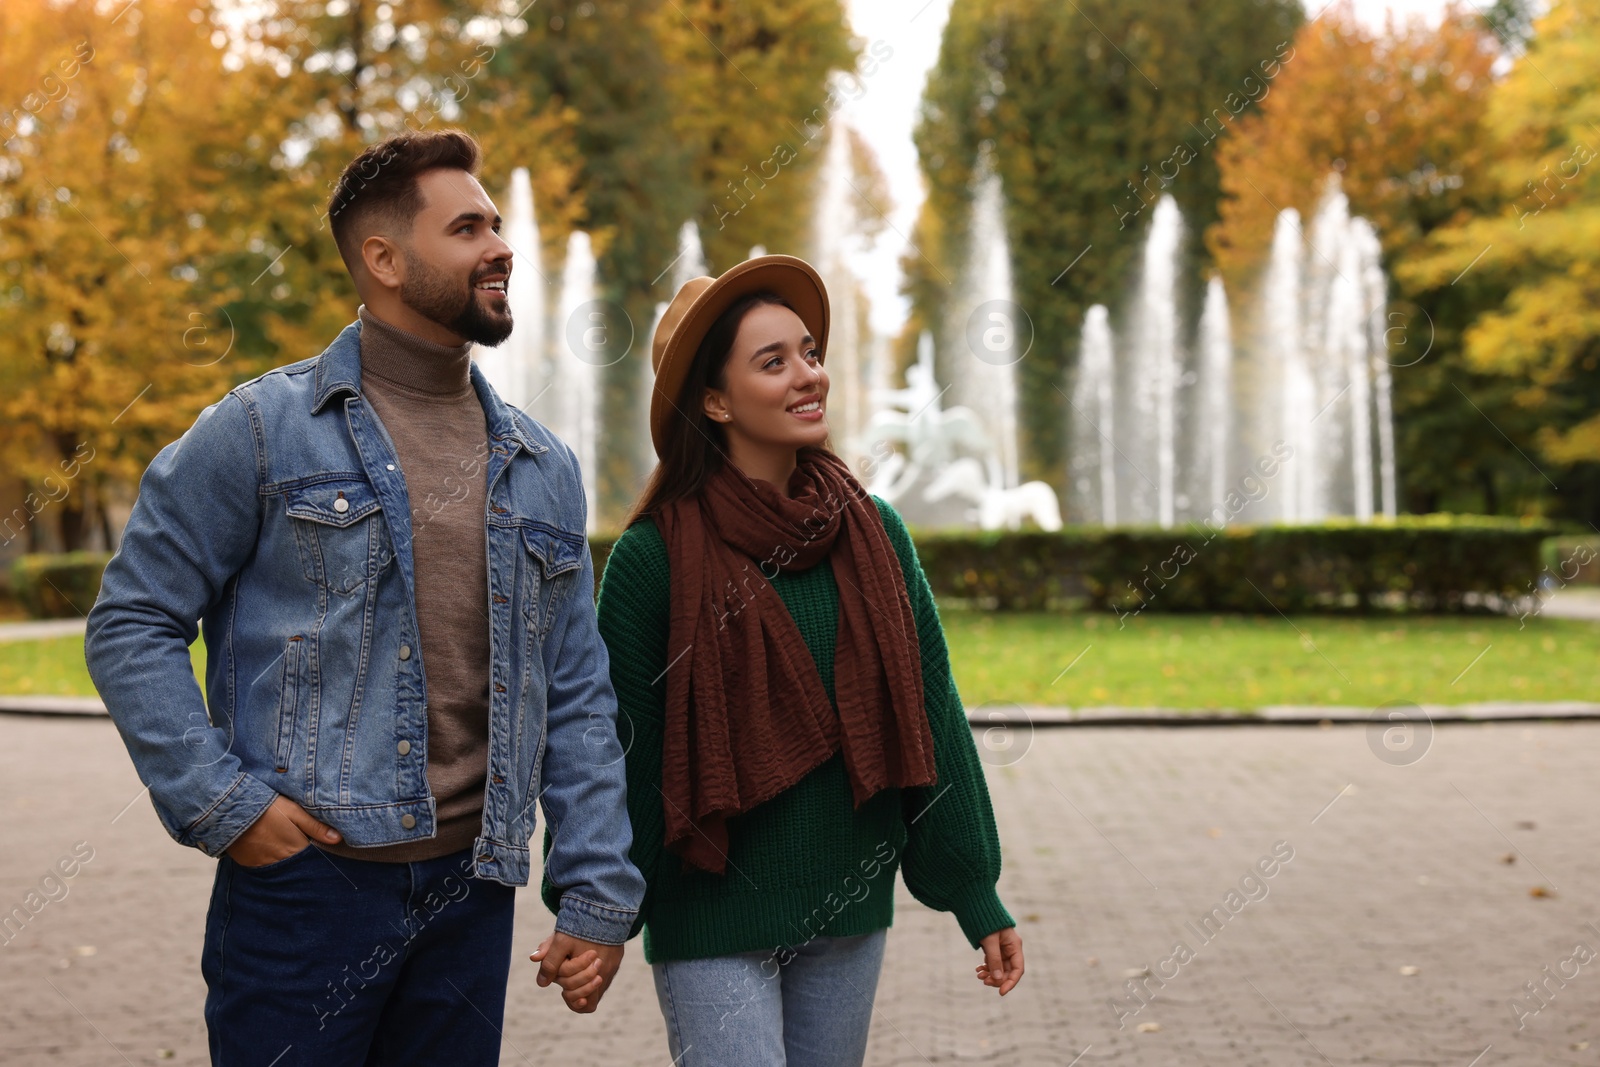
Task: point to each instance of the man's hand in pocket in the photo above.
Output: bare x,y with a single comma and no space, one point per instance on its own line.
283,829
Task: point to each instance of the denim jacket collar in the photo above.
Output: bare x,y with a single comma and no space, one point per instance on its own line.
339,372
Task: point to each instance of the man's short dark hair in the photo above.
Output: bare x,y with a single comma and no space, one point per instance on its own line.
378,190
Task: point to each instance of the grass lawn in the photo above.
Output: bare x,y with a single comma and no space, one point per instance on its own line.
1237,661
55,667
1175,661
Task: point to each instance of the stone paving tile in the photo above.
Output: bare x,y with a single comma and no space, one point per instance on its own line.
1116,841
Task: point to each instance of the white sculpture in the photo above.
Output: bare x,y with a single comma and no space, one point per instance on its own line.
996,506
933,438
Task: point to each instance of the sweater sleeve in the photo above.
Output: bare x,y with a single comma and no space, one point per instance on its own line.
952,857
632,616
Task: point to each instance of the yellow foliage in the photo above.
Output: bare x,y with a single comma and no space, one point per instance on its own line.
1534,252
1393,112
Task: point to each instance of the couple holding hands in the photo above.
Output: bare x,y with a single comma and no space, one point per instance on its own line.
735,750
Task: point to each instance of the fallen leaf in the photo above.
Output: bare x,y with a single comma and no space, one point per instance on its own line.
84,950
1149,1028
1579,1046
1508,858
1135,972
1410,971
1541,891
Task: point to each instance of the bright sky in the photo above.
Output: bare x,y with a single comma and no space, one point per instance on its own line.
886,112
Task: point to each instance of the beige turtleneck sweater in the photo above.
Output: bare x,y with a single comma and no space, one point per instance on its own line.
422,394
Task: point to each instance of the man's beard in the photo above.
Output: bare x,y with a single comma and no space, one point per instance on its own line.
435,296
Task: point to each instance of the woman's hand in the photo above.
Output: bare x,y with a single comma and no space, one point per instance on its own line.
1002,960
583,969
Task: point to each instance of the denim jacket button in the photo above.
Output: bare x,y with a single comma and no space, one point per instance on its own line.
408,821
341,505
405,651
404,748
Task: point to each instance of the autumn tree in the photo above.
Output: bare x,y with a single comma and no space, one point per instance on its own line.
117,241
753,104
1527,263
163,189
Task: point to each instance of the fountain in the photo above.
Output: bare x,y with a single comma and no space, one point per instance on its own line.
1282,319
1155,369
988,384
691,261
517,367
834,242
1336,385
1165,423
1216,393
1377,294
1094,420
576,378
960,465
1314,376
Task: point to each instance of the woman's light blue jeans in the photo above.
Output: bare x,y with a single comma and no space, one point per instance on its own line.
809,1006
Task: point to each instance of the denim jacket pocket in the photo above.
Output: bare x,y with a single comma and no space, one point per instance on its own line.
288,703
339,528
560,556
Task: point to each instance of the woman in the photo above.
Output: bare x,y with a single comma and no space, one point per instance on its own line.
795,733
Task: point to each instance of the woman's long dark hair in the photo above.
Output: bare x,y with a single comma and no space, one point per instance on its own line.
695,446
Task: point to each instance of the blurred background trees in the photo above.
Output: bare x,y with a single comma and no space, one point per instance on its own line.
1079,105
164,166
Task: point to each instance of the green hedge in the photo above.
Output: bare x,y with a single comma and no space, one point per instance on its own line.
58,586
1424,563
1571,560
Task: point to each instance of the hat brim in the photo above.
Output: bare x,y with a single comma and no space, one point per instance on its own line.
795,281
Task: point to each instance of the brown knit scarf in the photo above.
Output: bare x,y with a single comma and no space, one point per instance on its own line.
746,712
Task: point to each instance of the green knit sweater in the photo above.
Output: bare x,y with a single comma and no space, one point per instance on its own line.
806,863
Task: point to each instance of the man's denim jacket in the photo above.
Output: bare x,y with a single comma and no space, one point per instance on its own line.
280,520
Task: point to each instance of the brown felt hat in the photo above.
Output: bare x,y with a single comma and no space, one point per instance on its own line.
702,301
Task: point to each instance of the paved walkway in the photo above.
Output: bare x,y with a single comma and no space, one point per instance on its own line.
1422,894
33,631
1573,603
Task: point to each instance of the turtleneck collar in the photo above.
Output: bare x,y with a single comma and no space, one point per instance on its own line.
411,362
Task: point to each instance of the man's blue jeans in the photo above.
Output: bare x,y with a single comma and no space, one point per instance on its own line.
321,961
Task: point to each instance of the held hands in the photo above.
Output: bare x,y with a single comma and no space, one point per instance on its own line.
583,969
1002,960
282,830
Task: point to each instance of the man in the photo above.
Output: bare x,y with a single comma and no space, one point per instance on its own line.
395,589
